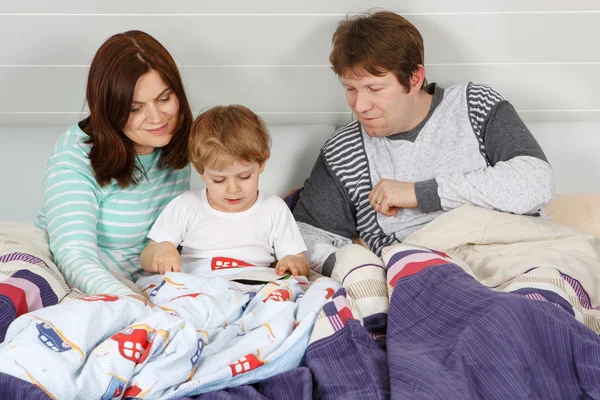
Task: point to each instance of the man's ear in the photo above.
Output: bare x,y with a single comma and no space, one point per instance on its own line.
417,78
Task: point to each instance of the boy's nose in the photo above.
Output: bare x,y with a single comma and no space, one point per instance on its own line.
232,187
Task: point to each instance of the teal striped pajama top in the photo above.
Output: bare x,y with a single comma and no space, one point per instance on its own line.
98,233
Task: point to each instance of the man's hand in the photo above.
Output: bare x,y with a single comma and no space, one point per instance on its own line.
388,196
165,259
297,265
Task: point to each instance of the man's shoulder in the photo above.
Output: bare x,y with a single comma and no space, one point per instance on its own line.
341,136
481,92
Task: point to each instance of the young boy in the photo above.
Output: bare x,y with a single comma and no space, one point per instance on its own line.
230,223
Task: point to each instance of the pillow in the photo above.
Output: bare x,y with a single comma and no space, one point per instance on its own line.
577,210
29,280
292,197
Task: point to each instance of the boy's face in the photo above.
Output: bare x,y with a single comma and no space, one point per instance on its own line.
234,187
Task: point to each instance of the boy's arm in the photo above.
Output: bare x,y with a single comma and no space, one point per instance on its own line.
326,217
168,231
160,257
297,264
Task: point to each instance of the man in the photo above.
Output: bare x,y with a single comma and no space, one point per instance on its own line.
415,150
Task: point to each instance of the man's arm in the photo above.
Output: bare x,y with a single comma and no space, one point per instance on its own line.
518,180
326,217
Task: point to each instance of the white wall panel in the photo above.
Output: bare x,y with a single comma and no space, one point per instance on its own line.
287,7
304,89
301,40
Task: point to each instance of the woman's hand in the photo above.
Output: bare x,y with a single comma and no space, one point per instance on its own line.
296,264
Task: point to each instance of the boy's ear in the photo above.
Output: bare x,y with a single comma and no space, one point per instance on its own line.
262,167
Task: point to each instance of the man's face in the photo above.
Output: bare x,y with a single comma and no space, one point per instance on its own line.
381,104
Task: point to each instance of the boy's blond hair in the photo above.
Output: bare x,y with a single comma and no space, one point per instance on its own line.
227,130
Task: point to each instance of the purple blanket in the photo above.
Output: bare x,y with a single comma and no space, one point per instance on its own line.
448,337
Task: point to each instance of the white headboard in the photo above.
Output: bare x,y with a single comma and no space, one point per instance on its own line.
272,56
571,147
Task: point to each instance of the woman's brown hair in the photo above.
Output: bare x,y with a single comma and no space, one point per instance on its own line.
114,72
378,43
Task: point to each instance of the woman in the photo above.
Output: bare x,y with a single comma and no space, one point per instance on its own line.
111,174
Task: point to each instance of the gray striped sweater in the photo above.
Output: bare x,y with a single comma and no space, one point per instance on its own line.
472,148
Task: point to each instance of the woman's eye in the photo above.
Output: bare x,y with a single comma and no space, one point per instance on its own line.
135,109
164,99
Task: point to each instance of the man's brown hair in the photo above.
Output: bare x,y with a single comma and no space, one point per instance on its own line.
228,130
378,43
114,72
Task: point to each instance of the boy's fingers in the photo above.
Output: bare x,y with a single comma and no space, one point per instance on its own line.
294,271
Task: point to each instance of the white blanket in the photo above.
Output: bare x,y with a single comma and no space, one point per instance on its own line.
205,334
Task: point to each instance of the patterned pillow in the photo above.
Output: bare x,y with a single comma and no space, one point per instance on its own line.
29,280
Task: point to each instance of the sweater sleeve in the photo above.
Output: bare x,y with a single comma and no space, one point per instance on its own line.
518,178
325,216
71,202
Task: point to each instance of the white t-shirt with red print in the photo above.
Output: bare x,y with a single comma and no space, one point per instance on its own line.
217,240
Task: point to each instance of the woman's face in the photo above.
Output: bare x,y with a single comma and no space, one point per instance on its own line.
153,114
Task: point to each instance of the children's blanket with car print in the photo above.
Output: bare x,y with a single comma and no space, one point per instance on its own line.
204,334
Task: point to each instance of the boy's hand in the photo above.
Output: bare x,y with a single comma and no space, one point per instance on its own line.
166,258
297,265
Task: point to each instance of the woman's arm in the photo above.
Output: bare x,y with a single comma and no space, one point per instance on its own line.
71,202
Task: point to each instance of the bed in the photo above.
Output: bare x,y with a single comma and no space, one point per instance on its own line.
477,304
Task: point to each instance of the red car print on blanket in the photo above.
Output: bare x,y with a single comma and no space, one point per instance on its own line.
100,297
135,342
279,295
245,364
330,293
226,262
132,391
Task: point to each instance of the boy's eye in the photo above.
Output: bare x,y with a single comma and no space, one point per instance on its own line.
245,177
218,181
